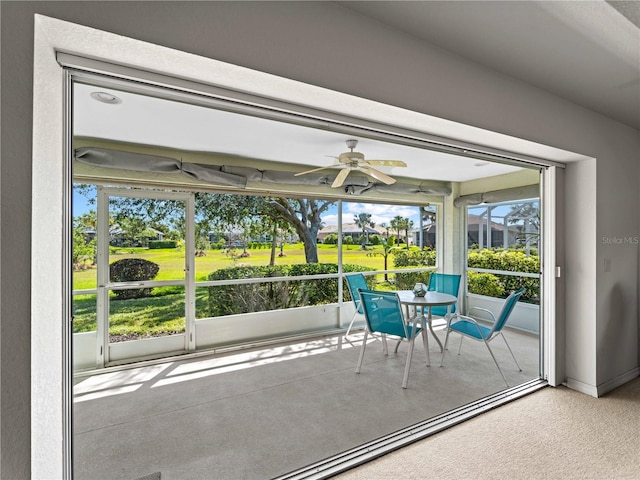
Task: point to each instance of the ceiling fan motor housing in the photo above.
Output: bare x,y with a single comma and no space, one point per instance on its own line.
352,143
351,157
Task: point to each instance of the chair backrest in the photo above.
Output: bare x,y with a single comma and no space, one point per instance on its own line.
383,312
356,282
507,308
444,283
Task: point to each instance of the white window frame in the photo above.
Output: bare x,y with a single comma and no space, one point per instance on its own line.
51,280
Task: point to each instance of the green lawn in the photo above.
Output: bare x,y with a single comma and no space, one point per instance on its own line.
163,312
171,261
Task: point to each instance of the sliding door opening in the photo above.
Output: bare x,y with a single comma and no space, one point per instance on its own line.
210,249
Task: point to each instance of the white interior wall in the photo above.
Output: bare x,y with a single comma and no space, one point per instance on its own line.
317,43
580,275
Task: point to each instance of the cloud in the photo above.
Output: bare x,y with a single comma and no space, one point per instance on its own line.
380,213
330,219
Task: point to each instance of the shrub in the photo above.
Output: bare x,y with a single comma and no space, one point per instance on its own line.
155,244
133,270
413,258
254,297
375,240
485,284
331,239
511,261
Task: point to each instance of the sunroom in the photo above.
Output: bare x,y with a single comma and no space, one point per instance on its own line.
196,224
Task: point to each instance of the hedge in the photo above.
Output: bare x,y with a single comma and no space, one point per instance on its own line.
413,258
254,297
511,261
155,244
484,284
492,285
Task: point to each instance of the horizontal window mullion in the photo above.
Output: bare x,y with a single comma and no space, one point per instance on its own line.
88,291
144,284
244,281
505,272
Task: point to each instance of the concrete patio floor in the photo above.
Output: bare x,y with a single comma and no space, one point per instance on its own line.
258,414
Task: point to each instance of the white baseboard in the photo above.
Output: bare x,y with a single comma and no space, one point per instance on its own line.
618,381
582,387
603,388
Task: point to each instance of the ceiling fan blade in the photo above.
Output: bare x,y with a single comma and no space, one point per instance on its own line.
387,163
340,178
378,175
312,170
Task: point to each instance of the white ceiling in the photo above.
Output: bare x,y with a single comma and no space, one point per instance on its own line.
153,121
587,52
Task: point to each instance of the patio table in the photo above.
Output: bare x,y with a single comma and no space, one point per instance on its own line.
431,299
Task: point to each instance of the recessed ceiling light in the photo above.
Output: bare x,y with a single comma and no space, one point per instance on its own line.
105,97
481,164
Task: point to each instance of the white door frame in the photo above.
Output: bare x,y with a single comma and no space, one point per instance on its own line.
103,354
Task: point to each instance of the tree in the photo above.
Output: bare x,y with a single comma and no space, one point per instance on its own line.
396,224
388,246
303,215
386,228
228,211
83,248
529,213
363,220
401,224
406,226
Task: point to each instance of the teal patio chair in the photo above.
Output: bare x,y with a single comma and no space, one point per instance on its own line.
467,326
444,283
383,314
355,282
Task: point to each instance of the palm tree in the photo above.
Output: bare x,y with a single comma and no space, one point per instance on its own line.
363,220
406,226
396,224
386,228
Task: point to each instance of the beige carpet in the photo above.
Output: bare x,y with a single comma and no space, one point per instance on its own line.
555,433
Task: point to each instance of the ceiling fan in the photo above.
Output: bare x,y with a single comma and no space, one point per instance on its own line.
350,161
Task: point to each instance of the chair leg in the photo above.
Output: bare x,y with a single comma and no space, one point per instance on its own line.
425,340
385,349
397,345
510,351
353,319
444,349
405,380
361,356
496,362
460,346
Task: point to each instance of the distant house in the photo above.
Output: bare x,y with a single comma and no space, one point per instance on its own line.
350,229
428,235
498,232
118,237
513,232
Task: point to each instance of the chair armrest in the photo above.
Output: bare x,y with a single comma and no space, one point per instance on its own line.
493,317
472,320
